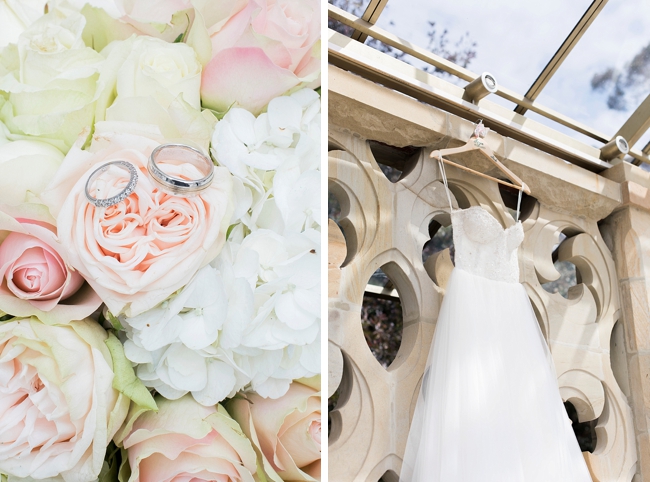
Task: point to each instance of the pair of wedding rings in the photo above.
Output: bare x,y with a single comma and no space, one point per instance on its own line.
170,153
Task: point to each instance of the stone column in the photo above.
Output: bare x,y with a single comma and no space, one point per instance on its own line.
627,232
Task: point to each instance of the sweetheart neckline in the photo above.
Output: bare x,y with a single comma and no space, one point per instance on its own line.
504,230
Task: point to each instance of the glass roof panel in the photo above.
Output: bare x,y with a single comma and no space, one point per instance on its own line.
512,40
607,75
355,7
602,81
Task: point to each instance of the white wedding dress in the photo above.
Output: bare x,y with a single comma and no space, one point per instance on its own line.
489,409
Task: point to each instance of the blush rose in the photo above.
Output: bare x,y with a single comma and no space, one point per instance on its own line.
58,407
286,430
274,40
35,278
186,441
138,252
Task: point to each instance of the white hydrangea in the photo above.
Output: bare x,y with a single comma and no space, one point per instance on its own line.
287,297
250,317
274,370
274,159
177,344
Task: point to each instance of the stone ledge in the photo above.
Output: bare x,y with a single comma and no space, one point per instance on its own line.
379,113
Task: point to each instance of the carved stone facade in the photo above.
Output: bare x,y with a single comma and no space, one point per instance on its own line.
599,336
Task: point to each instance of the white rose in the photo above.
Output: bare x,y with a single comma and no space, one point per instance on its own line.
110,20
51,92
157,85
16,16
63,399
157,68
26,167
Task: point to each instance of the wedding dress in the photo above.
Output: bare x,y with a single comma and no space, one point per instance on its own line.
489,409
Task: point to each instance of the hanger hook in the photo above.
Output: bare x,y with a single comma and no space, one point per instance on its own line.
480,131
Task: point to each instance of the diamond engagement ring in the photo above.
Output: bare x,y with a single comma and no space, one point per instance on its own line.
179,154
111,201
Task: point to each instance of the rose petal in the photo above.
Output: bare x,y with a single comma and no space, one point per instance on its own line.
232,77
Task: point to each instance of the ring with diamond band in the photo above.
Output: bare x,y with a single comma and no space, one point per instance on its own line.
177,154
111,201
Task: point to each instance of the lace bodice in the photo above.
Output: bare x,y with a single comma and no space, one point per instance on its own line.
483,247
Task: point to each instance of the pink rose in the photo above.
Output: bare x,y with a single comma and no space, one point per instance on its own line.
186,441
264,49
286,430
35,279
137,253
120,19
58,407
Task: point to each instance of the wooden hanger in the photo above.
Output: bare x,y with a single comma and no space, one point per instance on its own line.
476,143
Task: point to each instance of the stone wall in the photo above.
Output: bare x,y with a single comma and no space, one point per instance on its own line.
598,336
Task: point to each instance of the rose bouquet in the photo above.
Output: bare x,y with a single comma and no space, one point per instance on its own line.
160,240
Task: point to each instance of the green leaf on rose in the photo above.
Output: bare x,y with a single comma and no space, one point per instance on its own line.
219,114
115,322
229,230
124,474
260,474
312,382
125,380
89,139
241,396
116,465
111,464
183,36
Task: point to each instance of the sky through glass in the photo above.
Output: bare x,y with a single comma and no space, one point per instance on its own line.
514,41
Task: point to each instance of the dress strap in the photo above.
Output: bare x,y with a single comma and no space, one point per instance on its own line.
519,202
444,180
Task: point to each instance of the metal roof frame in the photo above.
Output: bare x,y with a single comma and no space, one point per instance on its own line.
632,130
565,49
395,74
371,15
637,124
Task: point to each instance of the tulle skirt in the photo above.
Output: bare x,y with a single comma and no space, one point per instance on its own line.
489,409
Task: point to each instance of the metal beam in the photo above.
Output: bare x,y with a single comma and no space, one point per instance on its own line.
576,34
640,156
371,15
465,74
388,38
637,124
395,74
